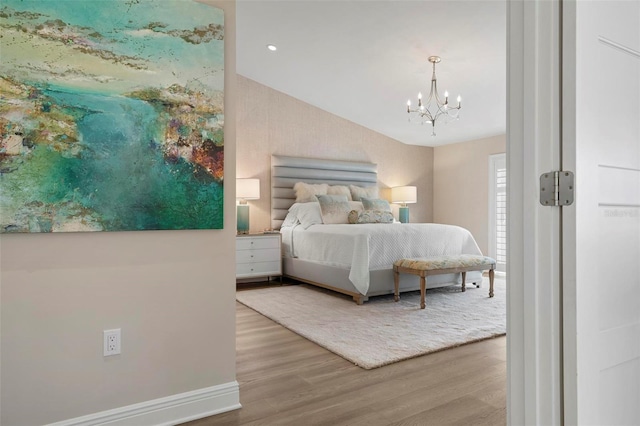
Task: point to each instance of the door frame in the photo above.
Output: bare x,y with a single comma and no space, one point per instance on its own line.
534,298
569,278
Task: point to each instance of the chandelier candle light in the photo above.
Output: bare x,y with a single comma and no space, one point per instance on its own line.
434,107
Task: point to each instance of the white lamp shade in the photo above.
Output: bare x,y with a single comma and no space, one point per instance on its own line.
248,189
404,194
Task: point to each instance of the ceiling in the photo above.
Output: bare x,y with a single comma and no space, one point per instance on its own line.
362,60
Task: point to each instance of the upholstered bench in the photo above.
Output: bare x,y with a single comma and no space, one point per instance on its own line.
442,265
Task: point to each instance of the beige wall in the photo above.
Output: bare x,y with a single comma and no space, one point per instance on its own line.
461,185
271,122
171,292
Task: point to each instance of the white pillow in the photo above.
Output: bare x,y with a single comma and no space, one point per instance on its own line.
291,219
306,192
359,192
308,214
339,190
334,208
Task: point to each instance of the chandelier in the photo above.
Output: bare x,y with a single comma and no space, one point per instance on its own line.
434,107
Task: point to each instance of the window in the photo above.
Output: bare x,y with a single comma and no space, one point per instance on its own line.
498,210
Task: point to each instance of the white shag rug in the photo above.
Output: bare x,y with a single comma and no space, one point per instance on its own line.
381,331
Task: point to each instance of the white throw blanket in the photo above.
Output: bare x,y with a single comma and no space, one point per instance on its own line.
369,247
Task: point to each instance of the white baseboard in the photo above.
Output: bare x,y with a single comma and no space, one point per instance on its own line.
170,410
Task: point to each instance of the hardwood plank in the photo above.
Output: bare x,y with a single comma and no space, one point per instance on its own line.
409,405
462,411
286,379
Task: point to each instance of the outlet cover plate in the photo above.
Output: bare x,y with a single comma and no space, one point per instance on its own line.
112,342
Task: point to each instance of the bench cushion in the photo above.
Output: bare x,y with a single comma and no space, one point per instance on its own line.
446,262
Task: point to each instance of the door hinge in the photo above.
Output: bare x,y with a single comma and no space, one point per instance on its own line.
556,188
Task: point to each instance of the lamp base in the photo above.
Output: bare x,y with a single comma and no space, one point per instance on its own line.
403,214
243,218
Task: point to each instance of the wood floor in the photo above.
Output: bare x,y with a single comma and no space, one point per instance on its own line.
286,379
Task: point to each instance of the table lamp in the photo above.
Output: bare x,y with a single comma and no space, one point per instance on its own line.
246,189
404,195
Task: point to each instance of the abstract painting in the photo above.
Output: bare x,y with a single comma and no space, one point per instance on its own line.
111,115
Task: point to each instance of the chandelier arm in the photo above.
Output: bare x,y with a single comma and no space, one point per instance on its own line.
443,109
428,116
427,112
435,90
423,114
439,113
433,94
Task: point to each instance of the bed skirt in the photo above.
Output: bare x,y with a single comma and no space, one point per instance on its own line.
381,281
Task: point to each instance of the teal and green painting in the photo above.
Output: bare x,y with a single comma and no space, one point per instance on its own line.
111,115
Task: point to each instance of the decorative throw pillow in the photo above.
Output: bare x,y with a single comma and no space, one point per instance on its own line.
339,190
358,192
306,192
334,208
376,204
375,216
308,214
353,216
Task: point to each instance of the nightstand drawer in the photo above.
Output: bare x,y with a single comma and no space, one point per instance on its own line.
263,255
258,268
248,243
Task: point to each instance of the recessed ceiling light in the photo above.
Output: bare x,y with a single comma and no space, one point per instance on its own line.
272,47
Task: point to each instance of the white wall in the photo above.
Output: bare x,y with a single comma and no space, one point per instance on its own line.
461,185
271,122
171,292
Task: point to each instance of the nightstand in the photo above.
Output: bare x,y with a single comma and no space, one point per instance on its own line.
258,255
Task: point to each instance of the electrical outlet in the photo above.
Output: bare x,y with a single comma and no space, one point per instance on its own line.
112,341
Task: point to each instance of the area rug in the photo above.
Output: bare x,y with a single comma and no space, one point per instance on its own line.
381,331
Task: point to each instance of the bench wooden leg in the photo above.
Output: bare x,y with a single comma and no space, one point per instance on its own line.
491,275
423,290
396,283
464,278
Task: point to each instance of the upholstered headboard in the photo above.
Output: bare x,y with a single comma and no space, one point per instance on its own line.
286,171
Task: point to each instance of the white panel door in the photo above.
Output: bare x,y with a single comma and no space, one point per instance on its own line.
601,231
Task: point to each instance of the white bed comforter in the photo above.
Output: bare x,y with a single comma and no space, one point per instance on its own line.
369,247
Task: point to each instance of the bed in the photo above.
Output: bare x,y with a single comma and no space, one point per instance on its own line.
353,259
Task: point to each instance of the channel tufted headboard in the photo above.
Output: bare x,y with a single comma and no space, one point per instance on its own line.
286,171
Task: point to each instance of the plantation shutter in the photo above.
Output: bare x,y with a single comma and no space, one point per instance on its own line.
501,218
498,210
